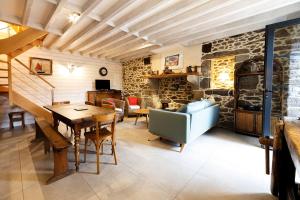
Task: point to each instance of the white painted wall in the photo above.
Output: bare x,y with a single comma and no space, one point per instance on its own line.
68,86
189,56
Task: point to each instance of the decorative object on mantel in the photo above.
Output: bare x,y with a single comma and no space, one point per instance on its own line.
151,72
167,70
189,69
173,75
41,66
165,103
103,71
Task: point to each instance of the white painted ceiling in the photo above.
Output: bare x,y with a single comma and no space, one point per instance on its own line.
122,29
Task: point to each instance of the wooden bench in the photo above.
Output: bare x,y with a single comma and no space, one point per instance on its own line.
60,146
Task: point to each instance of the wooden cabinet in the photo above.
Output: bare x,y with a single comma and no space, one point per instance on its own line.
249,122
96,96
259,124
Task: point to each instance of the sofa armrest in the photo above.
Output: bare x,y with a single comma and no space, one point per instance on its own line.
174,126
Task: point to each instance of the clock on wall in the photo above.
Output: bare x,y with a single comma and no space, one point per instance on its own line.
103,71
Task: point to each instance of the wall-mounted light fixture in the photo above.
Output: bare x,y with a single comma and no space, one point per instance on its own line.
224,76
74,17
71,67
222,72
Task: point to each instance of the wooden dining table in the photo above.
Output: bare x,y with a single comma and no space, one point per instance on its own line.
76,116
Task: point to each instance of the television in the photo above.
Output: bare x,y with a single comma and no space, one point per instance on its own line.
102,84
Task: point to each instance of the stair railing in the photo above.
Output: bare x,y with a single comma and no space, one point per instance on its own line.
39,76
34,81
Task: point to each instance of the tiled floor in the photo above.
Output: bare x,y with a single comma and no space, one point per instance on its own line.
218,165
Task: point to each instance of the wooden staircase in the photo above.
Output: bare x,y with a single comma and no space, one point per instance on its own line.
12,47
3,77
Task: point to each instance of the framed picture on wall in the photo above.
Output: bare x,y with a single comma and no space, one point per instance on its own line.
41,66
172,61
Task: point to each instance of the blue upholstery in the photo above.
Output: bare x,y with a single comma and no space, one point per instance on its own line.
184,127
198,105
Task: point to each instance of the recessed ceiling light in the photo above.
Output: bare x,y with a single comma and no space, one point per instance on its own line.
74,17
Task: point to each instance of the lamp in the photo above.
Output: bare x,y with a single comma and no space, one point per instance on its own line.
224,76
71,68
74,17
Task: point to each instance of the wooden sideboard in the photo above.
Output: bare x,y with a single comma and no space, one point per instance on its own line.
96,96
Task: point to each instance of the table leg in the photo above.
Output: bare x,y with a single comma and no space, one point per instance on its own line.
77,132
137,117
147,120
55,123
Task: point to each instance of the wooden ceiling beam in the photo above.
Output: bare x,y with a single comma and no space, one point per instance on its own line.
87,9
102,43
139,55
89,40
52,1
123,47
80,41
134,51
239,17
54,14
216,7
242,28
112,44
134,15
168,13
27,11
78,35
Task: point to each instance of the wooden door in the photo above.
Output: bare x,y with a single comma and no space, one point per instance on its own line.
245,121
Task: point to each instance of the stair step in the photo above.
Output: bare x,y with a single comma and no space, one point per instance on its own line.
3,89
3,69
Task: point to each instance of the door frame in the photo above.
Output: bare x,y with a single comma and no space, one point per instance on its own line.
268,65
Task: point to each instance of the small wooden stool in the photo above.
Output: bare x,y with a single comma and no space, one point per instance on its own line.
16,117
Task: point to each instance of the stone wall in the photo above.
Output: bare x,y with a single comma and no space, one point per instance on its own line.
248,50
242,48
177,90
287,51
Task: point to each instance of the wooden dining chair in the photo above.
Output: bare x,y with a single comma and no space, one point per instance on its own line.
100,134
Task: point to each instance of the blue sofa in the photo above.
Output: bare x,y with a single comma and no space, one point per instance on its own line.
186,124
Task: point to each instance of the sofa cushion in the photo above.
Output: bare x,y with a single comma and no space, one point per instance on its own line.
134,107
132,100
118,110
198,105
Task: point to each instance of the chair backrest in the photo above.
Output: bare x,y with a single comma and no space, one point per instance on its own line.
107,120
109,106
127,99
60,102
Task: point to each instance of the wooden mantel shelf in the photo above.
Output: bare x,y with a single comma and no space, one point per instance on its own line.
174,75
